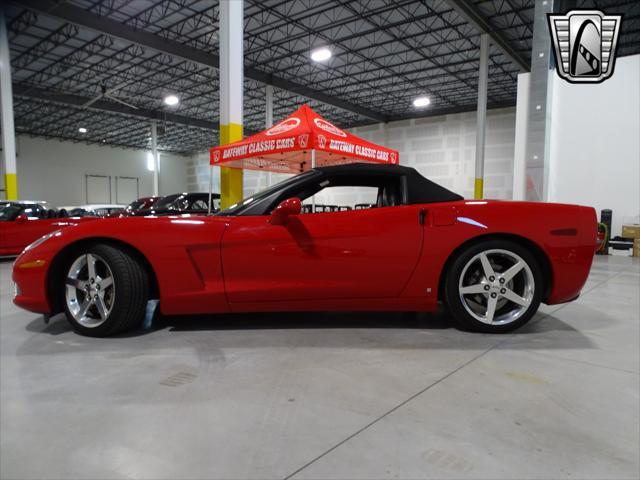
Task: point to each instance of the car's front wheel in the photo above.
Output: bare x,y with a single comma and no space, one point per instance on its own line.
106,291
495,286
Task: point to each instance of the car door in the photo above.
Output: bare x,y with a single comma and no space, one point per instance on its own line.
335,255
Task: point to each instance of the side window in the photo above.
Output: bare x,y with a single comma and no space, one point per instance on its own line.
340,198
342,193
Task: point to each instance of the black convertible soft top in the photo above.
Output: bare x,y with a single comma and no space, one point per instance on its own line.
420,189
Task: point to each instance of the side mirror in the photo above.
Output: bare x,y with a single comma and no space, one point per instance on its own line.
290,206
22,218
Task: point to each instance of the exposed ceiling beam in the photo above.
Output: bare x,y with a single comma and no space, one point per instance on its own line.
472,14
83,18
111,107
440,112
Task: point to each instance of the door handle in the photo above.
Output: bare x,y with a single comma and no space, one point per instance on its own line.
422,215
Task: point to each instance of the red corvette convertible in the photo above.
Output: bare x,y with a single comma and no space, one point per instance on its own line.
490,262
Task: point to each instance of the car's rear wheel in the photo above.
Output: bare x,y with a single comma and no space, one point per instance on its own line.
106,291
495,286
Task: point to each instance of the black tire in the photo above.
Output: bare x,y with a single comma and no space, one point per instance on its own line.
460,313
130,290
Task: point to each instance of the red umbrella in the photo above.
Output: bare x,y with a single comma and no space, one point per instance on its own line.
301,141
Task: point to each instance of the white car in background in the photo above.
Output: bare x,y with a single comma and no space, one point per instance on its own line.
95,210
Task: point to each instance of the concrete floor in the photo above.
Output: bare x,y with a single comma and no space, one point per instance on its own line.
329,396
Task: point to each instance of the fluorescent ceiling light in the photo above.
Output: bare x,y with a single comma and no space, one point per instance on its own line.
171,100
151,165
421,102
82,130
320,54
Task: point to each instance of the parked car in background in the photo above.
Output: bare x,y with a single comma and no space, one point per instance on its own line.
23,222
42,203
144,203
96,210
178,203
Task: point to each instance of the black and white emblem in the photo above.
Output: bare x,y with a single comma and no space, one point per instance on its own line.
584,44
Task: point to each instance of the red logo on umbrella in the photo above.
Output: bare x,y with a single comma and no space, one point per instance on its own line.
216,156
302,140
393,157
321,141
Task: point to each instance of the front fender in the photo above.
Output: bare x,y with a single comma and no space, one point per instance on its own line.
183,253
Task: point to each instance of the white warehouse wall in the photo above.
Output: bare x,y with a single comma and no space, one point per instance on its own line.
442,148
54,171
595,143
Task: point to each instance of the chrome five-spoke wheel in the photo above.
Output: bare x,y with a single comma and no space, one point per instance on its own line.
90,290
494,286
105,289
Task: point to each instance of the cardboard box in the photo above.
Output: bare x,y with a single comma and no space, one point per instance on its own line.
636,247
630,231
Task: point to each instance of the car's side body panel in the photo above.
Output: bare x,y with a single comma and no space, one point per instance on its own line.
564,234
378,259
324,256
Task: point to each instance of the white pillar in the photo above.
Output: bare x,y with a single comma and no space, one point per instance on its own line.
482,115
540,99
210,206
154,153
268,103
231,33
6,114
268,120
522,130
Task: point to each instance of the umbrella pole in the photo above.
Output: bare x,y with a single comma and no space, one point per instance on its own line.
210,188
313,165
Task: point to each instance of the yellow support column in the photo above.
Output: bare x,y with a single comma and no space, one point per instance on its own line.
230,178
478,189
11,186
231,36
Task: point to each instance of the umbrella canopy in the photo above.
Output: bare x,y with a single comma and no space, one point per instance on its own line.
287,147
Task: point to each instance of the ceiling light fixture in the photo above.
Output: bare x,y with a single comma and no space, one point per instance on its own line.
151,165
82,130
421,102
171,100
320,54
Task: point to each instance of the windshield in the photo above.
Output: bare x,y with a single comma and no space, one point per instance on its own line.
253,199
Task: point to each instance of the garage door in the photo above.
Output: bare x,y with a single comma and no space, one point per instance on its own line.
126,190
98,189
